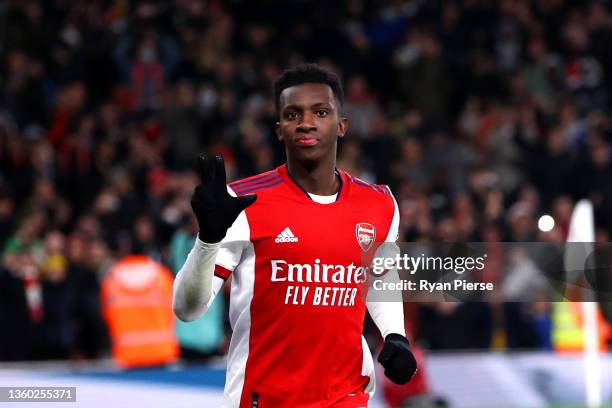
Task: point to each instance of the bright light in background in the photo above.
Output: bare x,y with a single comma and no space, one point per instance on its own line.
546,223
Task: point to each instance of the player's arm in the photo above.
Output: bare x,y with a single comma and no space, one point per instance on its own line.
388,315
195,285
217,212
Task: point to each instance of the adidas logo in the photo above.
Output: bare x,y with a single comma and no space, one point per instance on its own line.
286,236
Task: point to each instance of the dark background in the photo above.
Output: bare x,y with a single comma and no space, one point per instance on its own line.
480,115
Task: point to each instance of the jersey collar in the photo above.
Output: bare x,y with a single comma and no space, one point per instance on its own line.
296,188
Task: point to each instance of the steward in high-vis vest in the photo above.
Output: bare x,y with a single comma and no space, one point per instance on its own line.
137,305
568,333
603,286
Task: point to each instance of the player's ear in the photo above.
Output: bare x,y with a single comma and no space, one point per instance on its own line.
342,126
277,129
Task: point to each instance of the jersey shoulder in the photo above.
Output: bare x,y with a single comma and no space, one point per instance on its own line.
374,190
256,183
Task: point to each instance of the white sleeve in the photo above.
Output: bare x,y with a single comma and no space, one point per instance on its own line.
195,285
388,314
234,242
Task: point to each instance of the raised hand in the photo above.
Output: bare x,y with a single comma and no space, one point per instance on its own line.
215,209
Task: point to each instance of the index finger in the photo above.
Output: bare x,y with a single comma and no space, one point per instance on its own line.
219,177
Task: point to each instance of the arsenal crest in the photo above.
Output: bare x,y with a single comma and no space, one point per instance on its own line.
366,234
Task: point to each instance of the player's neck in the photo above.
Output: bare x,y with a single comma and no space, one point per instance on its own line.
319,179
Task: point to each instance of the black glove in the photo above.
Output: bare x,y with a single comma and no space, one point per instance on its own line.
212,205
399,362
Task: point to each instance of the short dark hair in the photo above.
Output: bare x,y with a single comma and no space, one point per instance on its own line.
307,74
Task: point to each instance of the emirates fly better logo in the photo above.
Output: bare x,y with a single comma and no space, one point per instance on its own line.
366,234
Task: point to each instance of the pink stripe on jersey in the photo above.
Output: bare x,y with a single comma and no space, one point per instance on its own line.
254,180
251,189
375,187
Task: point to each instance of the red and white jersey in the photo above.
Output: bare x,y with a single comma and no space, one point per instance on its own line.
297,301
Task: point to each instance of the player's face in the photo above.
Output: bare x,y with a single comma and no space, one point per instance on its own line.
310,123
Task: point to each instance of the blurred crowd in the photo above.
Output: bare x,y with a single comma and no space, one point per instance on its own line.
480,115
